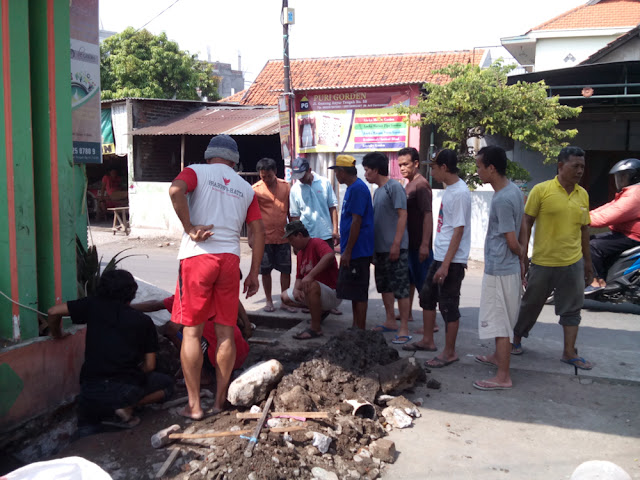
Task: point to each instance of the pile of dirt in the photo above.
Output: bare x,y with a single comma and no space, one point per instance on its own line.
336,447
349,366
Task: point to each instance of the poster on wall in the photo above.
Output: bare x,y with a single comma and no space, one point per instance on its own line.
85,82
351,121
284,116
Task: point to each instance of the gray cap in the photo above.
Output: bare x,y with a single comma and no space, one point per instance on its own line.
223,146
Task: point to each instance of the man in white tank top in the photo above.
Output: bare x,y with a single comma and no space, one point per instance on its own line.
212,201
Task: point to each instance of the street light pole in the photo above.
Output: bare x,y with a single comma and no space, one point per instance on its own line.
285,39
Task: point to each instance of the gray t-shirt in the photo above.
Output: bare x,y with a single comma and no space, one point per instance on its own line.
386,200
505,215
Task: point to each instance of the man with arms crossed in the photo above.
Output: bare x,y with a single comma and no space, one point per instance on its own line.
502,281
419,223
450,255
561,258
273,197
356,239
316,277
212,201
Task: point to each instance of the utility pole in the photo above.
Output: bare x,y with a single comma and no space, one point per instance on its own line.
285,53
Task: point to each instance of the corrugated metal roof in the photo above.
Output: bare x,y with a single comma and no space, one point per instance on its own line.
216,121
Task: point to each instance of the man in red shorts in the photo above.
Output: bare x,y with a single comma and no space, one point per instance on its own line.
212,201
173,331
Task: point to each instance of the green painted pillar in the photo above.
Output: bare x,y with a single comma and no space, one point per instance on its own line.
18,277
55,197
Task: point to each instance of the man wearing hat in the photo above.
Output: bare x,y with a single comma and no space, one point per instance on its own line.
450,254
212,201
317,274
313,202
356,239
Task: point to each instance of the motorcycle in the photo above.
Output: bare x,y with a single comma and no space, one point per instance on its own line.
623,280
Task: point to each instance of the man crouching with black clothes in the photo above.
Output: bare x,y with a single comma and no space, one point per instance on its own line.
120,354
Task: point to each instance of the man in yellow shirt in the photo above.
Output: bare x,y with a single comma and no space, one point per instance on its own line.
561,258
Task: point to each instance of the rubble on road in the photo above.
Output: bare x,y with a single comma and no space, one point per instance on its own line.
349,372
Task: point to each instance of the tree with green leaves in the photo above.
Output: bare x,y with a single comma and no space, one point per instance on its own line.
140,64
478,102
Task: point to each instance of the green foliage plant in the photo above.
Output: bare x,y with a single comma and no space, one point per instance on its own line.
476,102
142,65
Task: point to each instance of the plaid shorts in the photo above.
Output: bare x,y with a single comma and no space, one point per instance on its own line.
392,276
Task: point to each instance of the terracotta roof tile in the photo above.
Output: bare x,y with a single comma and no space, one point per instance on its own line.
604,14
235,98
352,72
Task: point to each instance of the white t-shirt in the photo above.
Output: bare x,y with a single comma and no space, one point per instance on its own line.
222,198
455,211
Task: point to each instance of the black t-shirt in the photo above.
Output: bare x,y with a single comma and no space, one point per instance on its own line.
117,339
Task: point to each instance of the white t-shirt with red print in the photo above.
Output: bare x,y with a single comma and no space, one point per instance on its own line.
217,195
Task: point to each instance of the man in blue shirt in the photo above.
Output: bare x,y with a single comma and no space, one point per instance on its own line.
313,202
356,239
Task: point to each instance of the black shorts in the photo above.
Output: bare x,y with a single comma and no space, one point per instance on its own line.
353,282
278,256
447,295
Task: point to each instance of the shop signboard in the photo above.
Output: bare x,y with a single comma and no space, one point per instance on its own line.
351,121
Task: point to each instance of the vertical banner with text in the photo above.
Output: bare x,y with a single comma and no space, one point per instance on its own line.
85,81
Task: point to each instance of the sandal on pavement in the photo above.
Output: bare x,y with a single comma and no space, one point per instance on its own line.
516,349
384,329
289,309
269,308
401,339
416,347
307,334
483,360
436,362
578,362
486,385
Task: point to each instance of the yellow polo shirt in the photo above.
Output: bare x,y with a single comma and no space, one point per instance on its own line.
557,241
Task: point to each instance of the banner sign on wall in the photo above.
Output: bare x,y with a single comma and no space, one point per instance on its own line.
351,121
85,81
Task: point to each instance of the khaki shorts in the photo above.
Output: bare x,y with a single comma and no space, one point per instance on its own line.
499,305
328,298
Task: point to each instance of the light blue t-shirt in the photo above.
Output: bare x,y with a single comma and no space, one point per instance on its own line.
312,203
386,202
505,215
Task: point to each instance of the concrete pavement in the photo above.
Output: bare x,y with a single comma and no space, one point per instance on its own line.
549,423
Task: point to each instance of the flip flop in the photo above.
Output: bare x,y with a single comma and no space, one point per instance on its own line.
305,310
574,362
483,360
439,362
117,422
307,334
402,339
335,311
289,309
416,347
384,329
486,385
269,308
516,349
196,418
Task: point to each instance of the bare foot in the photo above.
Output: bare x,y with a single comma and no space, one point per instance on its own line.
187,413
269,308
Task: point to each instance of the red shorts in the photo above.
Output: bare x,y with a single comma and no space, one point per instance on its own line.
208,288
